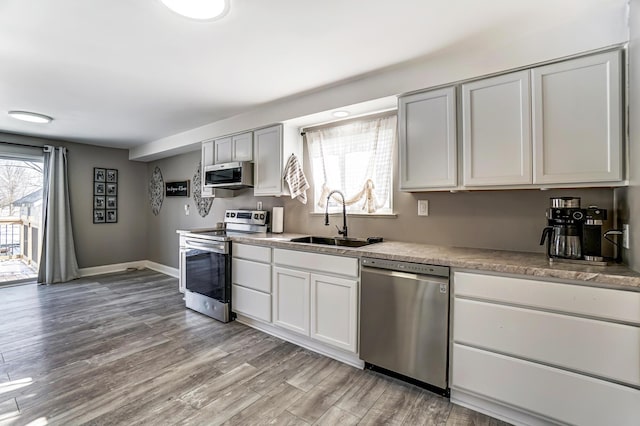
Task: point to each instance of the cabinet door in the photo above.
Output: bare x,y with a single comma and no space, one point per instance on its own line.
577,121
255,304
496,130
334,311
250,274
427,131
222,149
242,147
207,155
268,161
291,300
559,395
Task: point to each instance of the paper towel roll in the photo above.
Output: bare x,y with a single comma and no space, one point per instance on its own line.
277,220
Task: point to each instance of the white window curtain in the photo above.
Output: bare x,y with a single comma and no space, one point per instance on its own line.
58,261
357,159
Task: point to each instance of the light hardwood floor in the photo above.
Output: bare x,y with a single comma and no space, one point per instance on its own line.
122,349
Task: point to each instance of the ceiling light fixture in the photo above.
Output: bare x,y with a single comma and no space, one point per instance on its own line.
341,114
199,9
32,117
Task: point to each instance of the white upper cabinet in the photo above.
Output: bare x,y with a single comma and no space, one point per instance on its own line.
207,154
234,148
427,132
496,131
222,150
577,132
242,147
272,148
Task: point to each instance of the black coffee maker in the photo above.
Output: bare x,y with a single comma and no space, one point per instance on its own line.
573,232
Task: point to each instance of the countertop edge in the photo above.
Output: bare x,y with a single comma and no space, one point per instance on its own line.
505,262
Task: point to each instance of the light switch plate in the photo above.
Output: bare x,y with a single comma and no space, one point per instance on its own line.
423,207
625,235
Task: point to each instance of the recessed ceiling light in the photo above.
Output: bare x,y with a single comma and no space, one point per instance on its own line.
30,116
199,9
341,114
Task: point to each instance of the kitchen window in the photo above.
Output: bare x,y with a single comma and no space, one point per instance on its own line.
356,158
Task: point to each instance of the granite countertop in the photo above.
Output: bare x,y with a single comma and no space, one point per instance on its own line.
508,262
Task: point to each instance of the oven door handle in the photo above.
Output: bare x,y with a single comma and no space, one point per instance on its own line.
214,248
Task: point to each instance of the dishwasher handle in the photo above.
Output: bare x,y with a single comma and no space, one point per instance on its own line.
406,267
405,275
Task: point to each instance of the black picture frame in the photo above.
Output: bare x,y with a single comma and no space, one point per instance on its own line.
111,203
99,202
112,216
112,189
105,195
112,176
99,174
177,189
99,188
98,216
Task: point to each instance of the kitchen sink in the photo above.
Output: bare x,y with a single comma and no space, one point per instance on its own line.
335,241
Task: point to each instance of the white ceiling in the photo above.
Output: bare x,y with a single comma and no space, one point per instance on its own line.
125,73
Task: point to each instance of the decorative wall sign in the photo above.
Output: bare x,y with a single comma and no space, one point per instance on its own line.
202,204
105,195
177,189
156,190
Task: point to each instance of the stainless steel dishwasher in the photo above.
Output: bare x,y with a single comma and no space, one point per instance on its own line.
404,319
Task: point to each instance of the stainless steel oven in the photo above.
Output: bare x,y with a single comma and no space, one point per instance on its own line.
205,264
208,277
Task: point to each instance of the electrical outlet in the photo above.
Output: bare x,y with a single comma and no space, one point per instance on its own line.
423,207
259,205
186,209
625,235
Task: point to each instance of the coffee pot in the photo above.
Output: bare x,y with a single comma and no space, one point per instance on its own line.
563,241
564,231
573,232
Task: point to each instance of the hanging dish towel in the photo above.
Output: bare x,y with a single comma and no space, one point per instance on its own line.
296,179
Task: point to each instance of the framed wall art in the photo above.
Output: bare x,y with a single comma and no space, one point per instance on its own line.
105,195
176,189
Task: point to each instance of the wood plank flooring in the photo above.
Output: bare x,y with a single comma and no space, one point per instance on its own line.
121,349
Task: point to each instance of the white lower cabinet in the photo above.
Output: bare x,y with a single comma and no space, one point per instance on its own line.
554,394
291,299
534,351
334,317
321,306
251,281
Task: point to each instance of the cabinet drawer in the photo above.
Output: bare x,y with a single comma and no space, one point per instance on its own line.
250,302
547,391
257,253
603,303
317,262
596,347
251,274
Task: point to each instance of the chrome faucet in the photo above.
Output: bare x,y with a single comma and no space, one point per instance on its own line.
344,214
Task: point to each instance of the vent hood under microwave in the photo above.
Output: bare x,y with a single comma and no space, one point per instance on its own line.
236,175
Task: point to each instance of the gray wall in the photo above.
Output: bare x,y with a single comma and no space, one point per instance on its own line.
628,199
501,220
103,244
163,239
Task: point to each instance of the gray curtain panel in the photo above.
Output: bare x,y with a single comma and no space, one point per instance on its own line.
58,258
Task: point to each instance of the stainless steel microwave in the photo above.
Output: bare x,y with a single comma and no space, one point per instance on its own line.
235,175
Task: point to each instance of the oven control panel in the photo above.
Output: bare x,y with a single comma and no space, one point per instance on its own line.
250,217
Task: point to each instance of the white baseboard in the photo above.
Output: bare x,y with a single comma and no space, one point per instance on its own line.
498,410
119,267
307,343
159,267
